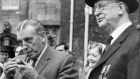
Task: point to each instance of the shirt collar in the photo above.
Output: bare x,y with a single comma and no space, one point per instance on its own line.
115,34
42,52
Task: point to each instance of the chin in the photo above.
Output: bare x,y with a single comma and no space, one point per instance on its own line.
102,24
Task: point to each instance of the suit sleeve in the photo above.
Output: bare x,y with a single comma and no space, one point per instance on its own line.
40,77
133,67
1,70
67,69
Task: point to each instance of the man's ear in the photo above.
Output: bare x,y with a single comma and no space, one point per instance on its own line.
43,40
43,36
122,9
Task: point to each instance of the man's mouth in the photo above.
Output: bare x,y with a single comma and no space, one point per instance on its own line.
99,20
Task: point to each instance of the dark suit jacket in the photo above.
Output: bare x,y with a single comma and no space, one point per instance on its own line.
1,70
122,59
56,65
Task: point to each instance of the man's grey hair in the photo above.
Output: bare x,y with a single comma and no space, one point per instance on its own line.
39,29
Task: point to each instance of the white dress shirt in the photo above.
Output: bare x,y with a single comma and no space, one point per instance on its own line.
116,33
41,54
103,47
31,61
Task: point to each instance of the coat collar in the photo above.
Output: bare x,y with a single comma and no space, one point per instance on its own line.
44,60
116,45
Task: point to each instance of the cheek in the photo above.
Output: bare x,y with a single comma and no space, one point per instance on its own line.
108,16
111,15
36,44
97,58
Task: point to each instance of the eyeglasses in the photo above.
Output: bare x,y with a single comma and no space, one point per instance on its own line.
102,6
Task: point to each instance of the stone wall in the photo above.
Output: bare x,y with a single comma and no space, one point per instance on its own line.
14,16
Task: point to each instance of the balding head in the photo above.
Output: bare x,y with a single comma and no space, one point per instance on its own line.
39,29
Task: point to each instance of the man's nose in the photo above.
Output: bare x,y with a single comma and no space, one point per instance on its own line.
24,43
97,12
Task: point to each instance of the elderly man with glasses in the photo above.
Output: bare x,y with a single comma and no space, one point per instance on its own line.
121,58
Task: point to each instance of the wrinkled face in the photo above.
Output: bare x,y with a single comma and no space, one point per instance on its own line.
31,41
93,56
106,12
3,57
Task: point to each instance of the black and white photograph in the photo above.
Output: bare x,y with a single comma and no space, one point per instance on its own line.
69,39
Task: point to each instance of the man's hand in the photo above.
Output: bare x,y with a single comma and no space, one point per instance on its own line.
26,72
19,70
9,69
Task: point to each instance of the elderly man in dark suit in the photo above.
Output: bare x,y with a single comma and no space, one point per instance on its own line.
121,58
47,62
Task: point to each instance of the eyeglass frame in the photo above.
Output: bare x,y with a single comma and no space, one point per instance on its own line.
102,6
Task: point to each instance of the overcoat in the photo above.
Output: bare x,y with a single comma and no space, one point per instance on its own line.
122,59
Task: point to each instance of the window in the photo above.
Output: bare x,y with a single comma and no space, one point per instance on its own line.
10,5
6,41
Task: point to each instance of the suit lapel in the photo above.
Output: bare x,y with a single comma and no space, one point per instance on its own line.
116,45
44,60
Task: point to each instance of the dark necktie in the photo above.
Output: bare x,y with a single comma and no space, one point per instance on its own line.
108,41
1,70
34,62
